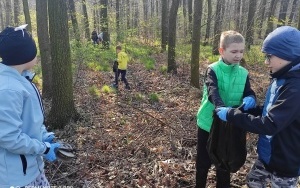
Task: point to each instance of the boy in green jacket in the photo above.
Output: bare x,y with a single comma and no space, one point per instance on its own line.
226,84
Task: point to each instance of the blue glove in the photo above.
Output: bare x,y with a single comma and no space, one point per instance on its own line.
249,102
50,138
51,154
222,113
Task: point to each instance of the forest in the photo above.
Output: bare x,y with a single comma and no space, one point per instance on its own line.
145,136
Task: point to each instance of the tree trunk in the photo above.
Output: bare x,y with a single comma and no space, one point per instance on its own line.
86,20
172,67
237,17
218,26
2,16
62,107
16,12
261,17
271,14
74,21
27,15
190,13
8,16
208,22
104,24
250,23
118,20
282,12
294,9
196,43
164,25
44,45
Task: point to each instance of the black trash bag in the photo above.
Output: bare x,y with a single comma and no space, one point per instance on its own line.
115,66
226,145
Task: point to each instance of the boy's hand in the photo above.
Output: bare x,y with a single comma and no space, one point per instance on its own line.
222,112
249,102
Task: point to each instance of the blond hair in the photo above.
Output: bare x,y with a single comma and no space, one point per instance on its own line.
229,37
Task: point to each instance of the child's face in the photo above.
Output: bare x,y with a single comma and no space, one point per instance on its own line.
275,63
233,53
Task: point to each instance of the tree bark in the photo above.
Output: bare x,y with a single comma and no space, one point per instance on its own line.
208,22
196,43
250,23
164,25
8,15
271,14
104,24
86,21
261,17
294,9
282,12
62,108
44,45
172,67
2,15
218,26
74,21
27,15
16,12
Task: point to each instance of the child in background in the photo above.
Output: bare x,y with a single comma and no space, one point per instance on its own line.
24,140
226,84
278,125
122,67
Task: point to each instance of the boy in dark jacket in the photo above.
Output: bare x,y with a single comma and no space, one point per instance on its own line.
278,125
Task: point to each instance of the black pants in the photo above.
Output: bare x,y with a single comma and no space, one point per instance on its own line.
203,163
123,76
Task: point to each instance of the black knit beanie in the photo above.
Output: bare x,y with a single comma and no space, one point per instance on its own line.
16,46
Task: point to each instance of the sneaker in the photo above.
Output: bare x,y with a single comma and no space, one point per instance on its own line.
114,86
127,87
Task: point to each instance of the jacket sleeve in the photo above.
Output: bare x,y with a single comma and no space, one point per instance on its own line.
280,115
211,83
248,91
12,137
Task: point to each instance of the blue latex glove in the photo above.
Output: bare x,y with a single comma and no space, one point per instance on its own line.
249,102
51,155
222,113
50,138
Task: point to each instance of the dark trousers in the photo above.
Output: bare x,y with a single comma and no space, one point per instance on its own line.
203,163
123,76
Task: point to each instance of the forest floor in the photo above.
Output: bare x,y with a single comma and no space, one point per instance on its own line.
129,139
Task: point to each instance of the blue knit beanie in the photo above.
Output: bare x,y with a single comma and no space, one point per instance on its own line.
16,46
283,42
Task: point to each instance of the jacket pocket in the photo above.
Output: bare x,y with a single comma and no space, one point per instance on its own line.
24,163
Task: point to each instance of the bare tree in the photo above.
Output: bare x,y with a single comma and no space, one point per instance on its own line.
271,14
172,68
282,12
1,16
27,15
16,12
164,24
196,43
62,107
72,12
250,23
8,11
208,22
86,20
44,45
104,24
261,16
218,27
294,9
